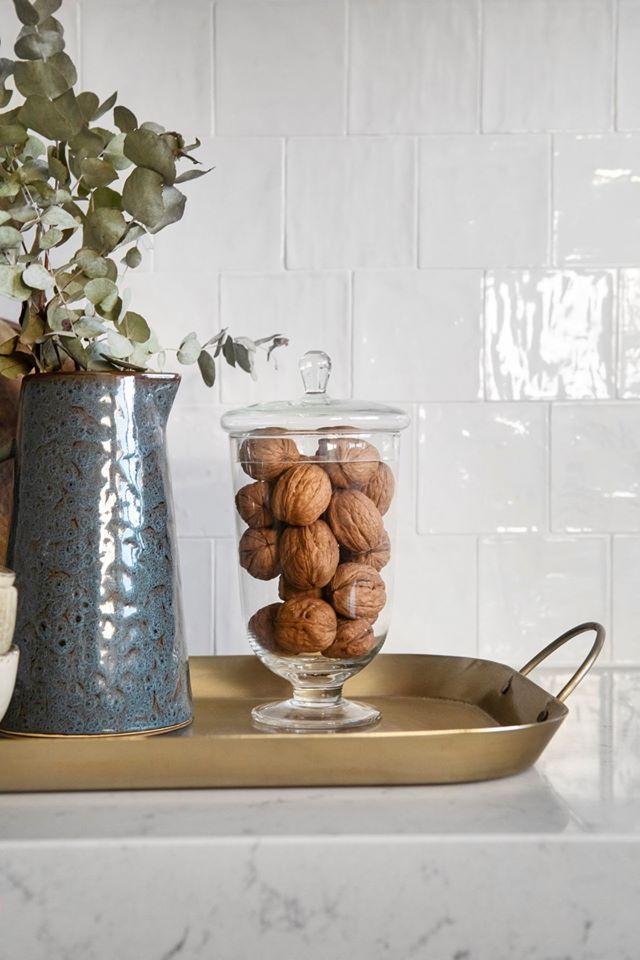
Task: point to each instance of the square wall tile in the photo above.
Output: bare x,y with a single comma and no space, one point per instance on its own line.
160,61
312,310
549,334
350,203
595,467
532,589
200,466
413,66
547,65
626,599
628,78
172,305
417,334
482,468
597,199
230,630
629,334
233,218
434,605
280,68
196,573
483,201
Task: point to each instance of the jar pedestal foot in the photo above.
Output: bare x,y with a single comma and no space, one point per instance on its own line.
314,714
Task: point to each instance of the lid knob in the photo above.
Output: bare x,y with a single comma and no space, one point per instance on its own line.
315,369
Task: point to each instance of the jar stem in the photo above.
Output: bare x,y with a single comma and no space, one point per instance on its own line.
313,697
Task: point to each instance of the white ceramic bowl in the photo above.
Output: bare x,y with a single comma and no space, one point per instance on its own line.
8,671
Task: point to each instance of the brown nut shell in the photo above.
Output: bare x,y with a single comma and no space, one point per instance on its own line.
309,555
349,461
357,591
381,487
301,495
355,520
259,553
288,592
252,503
262,625
305,626
266,457
354,638
378,557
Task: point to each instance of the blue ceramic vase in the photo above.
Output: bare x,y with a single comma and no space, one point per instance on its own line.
99,625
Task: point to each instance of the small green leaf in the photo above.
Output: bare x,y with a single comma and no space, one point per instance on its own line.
147,149
26,12
73,348
39,45
124,119
105,197
11,283
58,119
102,292
133,258
51,238
89,327
32,328
57,217
91,264
12,134
142,196
37,277
192,175
17,365
97,173
7,347
47,7
134,327
189,349
114,153
88,104
10,238
207,366
243,358
119,346
103,229
60,318
51,78
228,352
174,203
106,106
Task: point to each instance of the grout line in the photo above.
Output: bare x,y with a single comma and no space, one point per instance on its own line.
484,398
480,71
615,40
616,359
352,333
284,203
213,60
417,152
346,123
552,253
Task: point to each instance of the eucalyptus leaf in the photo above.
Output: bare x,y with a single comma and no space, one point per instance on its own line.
151,151
88,104
228,352
119,347
51,78
7,347
89,327
189,349
58,217
73,348
46,7
192,175
10,238
17,365
58,119
12,134
174,203
91,264
207,366
134,327
32,328
26,12
101,291
33,148
6,68
142,196
103,228
124,119
37,277
106,197
243,357
133,258
60,318
51,238
39,45
114,153
11,284
97,173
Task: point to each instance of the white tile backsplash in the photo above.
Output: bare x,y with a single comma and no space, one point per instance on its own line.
413,66
549,334
484,201
280,69
482,468
445,196
597,199
533,589
547,65
350,203
433,316
595,467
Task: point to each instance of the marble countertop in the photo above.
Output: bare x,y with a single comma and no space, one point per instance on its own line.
545,865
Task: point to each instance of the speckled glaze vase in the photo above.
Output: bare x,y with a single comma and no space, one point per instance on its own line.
99,621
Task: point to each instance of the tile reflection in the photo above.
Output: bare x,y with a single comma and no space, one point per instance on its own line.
549,335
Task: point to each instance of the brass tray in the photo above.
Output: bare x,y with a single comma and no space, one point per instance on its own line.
444,720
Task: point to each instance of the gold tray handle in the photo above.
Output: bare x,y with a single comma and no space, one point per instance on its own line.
584,667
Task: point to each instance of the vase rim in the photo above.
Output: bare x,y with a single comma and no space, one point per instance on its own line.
146,374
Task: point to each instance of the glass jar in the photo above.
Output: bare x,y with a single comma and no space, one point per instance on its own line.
315,485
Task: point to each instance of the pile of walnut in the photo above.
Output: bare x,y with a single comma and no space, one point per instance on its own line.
316,523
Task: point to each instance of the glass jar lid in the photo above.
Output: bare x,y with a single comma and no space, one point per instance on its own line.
315,409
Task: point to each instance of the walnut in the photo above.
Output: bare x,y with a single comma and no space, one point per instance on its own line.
309,555
259,553
252,503
357,592
354,638
287,592
355,520
378,557
381,487
301,495
349,462
266,457
262,625
305,626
